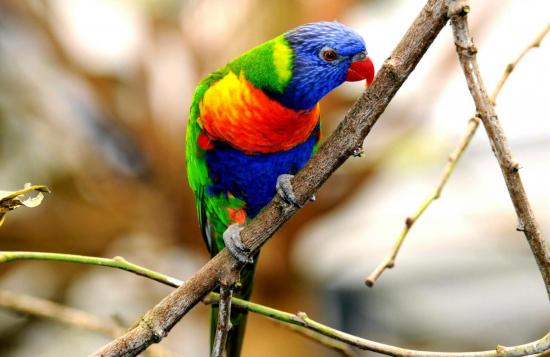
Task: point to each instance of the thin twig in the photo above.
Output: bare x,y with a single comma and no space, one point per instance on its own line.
224,323
512,65
301,319
30,305
338,346
116,262
298,320
275,315
510,169
454,157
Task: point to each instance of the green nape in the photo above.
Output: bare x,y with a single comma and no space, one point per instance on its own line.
268,66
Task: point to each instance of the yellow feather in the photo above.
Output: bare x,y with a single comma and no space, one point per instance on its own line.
282,58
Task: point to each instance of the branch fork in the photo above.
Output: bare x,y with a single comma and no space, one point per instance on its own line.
499,143
460,9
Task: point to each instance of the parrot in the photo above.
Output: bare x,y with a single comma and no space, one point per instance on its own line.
253,124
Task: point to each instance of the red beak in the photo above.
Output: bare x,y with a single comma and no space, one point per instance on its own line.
360,70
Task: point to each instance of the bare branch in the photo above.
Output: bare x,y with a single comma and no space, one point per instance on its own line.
300,320
473,124
224,323
116,262
389,260
512,65
341,347
123,264
499,142
30,305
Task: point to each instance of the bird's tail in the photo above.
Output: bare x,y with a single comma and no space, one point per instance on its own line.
243,290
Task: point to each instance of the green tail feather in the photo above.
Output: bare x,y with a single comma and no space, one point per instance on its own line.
238,317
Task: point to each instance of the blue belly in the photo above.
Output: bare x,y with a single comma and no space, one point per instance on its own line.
252,178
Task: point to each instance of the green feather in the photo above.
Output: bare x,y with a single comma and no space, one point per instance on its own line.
268,66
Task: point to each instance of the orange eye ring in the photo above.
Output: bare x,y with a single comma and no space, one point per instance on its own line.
330,55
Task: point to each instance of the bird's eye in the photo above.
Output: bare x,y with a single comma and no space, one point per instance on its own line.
329,55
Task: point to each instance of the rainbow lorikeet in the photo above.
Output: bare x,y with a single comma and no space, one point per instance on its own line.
255,122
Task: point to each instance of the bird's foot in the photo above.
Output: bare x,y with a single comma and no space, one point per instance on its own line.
233,242
285,190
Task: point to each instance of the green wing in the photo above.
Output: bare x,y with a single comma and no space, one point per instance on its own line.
197,170
212,213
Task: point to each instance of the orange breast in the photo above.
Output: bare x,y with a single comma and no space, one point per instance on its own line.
234,111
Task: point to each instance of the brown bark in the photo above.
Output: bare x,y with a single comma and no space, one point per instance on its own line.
527,222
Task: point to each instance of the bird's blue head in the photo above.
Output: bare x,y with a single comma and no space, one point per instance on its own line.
325,54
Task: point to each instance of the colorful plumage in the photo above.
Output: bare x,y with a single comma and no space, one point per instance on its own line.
258,118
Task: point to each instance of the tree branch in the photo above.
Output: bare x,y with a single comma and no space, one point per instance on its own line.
116,262
123,264
224,323
510,169
389,260
512,65
30,305
473,124
338,346
299,320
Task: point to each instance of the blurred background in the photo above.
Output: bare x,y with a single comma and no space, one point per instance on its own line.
94,96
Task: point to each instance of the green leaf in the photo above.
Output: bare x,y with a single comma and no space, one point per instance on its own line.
29,196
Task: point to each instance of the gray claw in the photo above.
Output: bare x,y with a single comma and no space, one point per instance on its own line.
284,189
232,240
